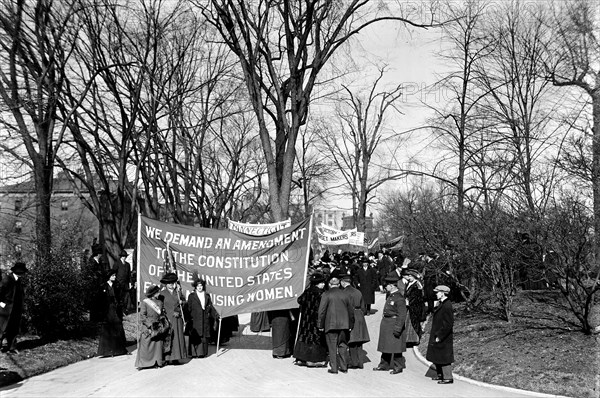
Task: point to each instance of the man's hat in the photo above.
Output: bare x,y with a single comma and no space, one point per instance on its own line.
391,279
19,268
170,277
151,291
110,273
346,278
442,288
123,253
317,278
334,281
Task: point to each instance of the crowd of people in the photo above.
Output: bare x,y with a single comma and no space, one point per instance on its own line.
333,308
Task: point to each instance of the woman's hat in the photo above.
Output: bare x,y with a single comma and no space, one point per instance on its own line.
111,273
123,254
411,272
170,277
19,268
152,290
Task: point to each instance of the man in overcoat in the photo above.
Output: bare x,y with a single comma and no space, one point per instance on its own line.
360,333
366,281
11,306
392,339
440,350
336,319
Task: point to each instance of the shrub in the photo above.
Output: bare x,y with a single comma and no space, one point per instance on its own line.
55,296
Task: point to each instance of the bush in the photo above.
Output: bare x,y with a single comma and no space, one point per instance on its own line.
55,297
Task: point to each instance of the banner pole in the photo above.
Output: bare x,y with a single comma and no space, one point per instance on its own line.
297,330
138,278
219,336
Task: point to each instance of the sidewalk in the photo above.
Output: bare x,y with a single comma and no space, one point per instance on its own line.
245,368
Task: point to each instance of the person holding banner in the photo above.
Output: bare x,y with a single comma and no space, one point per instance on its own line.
336,319
281,333
173,302
310,349
201,314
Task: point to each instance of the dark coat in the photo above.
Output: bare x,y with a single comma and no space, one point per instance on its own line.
442,327
335,310
367,282
394,316
360,332
123,274
199,323
11,294
416,306
310,345
173,311
111,340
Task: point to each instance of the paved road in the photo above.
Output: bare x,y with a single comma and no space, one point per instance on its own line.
245,368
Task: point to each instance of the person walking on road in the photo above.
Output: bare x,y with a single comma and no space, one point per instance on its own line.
366,281
310,349
359,333
392,339
336,319
12,295
440,350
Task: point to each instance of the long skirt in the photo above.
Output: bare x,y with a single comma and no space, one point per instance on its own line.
178,349
112,339
280,333
149,352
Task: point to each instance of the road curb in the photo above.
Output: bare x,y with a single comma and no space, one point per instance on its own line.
488,385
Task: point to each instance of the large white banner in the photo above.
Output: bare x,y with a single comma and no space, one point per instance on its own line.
258,229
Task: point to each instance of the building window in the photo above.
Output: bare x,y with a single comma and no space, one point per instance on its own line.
18,204
330,223
18,249
19,227
64,205
64,224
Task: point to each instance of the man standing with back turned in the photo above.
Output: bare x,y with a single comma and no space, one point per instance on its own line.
336,318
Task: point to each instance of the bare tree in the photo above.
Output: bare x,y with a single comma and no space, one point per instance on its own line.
36,40
459,127
571,59
519,101
358,146
315,172
282,47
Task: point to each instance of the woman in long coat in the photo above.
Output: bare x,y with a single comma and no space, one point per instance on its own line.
392,339
112,335
173,301
367,282
201,315
440,350
310,349
150,350
415,301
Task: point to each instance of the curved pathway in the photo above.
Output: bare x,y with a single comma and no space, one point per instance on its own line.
245,368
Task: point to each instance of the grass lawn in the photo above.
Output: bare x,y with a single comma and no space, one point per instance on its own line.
36,356
540,350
